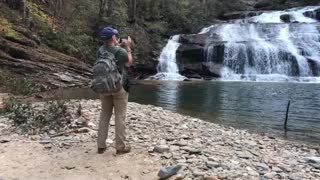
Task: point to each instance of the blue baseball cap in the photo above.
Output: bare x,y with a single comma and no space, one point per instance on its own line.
108,32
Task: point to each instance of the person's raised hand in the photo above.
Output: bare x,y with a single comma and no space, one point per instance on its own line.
129,43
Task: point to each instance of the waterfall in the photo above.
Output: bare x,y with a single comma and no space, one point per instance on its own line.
167,68
266,47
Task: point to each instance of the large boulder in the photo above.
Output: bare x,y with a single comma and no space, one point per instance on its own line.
317,12
313,14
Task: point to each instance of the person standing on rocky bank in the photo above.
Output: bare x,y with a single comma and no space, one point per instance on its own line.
117,100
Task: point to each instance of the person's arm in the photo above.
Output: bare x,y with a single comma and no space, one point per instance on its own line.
128,48
130,57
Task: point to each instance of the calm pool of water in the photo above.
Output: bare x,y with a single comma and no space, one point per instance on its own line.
256,106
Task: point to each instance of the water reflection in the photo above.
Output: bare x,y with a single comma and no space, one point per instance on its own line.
167,94
259,107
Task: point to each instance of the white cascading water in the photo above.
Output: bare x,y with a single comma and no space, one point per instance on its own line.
167,68
263,47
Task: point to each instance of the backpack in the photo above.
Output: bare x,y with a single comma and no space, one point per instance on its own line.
106,76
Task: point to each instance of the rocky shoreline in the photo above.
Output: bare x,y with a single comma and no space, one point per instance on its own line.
203,149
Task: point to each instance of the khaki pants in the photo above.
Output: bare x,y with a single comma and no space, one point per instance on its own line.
117,101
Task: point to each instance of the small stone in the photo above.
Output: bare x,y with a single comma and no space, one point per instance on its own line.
167,155
179,177
146,172
268,175
184,136
91,125
181,143
52,132
48,146
211,178
109,141
211,164
170,138
150,149
4,140
198,173
112,123
262,168
244,155
294,178
317,170
251,143
69,167
174,148
161,149
194,151
45,141
277,169
35,138
313,161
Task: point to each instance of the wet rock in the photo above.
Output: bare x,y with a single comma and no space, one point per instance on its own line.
286,18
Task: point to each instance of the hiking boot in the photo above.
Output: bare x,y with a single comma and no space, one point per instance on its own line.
101,150
125,150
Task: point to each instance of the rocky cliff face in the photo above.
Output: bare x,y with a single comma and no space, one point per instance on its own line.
23,55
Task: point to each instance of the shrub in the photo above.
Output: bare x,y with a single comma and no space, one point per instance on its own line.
31,120
18,86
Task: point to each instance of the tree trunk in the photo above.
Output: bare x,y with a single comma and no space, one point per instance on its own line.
110,4
132,10
102,8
